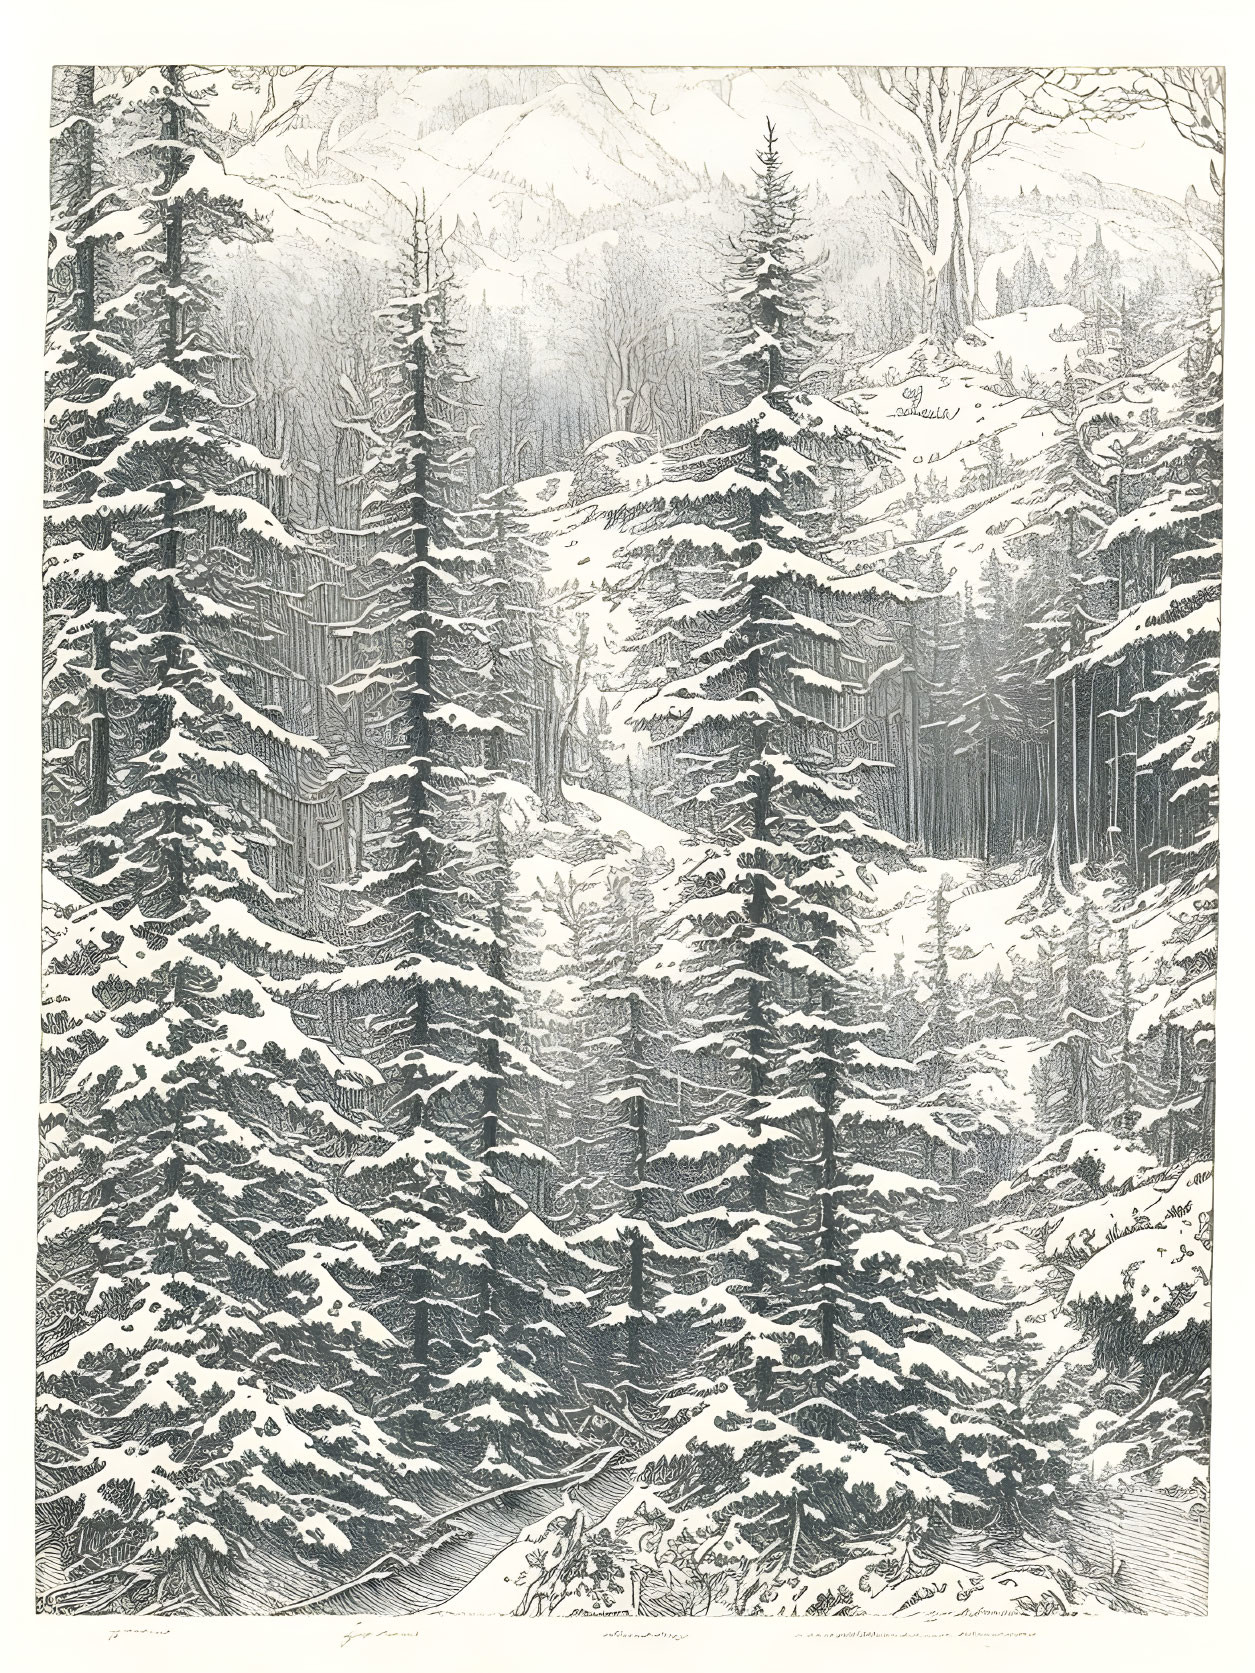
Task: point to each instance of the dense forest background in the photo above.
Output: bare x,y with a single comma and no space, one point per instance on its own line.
630,818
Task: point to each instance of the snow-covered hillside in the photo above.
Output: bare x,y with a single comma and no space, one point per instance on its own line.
941,414
965,482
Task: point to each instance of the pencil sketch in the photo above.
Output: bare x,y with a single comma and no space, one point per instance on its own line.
630,736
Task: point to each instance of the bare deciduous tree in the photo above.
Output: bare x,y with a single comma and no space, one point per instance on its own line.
940,123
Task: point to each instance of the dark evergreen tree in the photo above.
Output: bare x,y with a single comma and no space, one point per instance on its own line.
206,1373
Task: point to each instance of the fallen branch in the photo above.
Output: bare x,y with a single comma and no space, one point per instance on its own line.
91,1579
102,1607
338,1591
384,1569
576,1478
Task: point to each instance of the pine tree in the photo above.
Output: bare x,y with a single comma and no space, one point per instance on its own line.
515,629
626,1051
1087,1222
793,1223
1087,1014
87,362
206,1373
432,936
756,682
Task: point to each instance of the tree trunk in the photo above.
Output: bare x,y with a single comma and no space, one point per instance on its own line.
79,189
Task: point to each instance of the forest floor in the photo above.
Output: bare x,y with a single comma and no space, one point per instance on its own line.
1137,1552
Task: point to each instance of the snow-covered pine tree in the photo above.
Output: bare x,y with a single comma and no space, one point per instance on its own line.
751,650
953,1072
1122,1248
751,712
205,1372
908,1382
431,932
86,359
514,612
626,1051
1156,652
1085,1218
1166,541
584,963
1075,588
416,1184
1156,1107
1084,1067
530,1307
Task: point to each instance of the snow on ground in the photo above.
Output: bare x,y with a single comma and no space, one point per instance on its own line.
543,495
499,1588
965,483
559,855
987,939
949,416
566,518
998,917
1000,920
1036,339
971,1582
963,534
624,820
940,419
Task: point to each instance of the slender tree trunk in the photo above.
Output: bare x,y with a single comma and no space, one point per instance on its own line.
1058,811
639,1115
1074,772
158,710
80,190
492,1063
1090,776
757,912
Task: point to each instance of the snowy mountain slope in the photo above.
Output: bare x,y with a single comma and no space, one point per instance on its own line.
569,145
594,831
583,139
957,505
509,161
577,847
999,918
568,517
621,819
